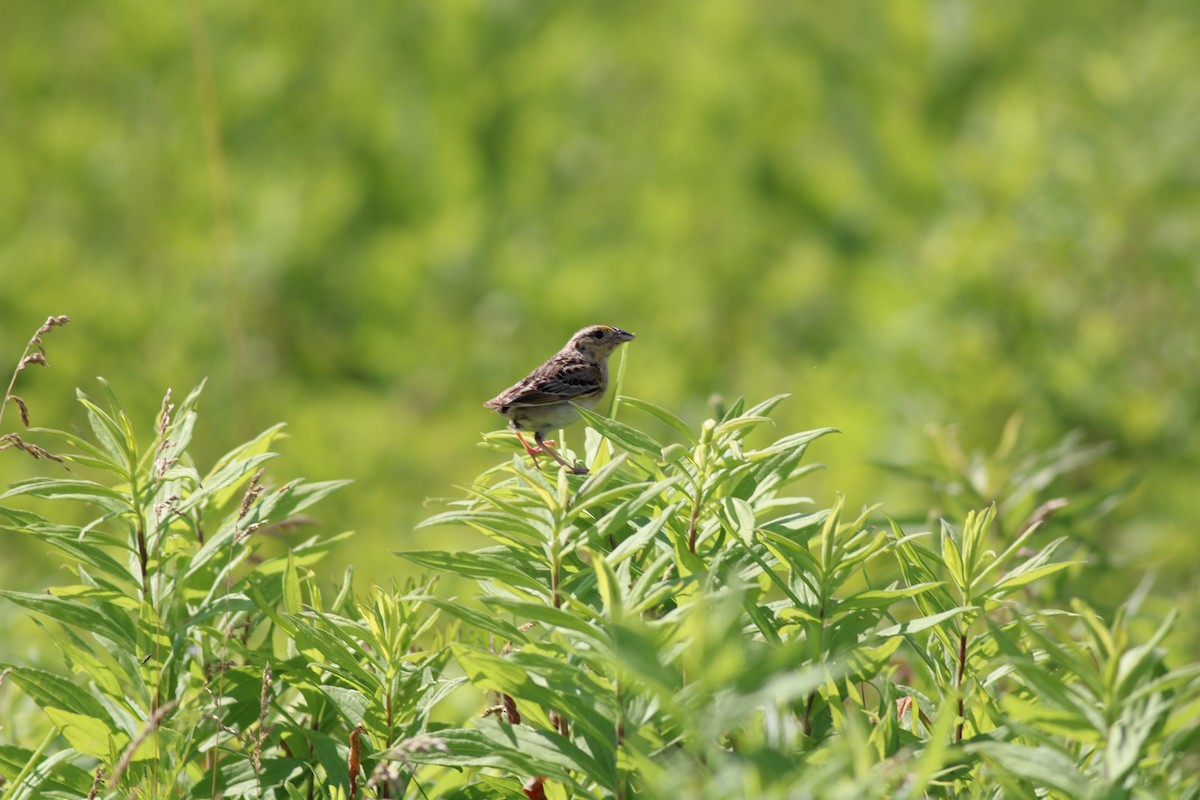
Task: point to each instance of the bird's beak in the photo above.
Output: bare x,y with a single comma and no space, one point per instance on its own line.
623,336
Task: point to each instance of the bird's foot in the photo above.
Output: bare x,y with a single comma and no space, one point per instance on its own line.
544,446
533,452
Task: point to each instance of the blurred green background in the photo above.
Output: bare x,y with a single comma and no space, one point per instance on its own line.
365,219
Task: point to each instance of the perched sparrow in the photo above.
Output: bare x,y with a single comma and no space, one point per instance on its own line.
576,374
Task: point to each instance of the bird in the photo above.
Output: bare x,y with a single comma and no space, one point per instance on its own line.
542,401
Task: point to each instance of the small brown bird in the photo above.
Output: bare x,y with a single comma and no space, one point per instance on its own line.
576,374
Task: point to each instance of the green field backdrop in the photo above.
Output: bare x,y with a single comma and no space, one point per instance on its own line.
365,219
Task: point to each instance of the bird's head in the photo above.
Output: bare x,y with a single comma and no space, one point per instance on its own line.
598,341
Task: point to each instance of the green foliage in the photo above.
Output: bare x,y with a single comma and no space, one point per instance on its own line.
196,659
676,623
929,212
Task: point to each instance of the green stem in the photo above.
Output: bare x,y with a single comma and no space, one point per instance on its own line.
692,523
29,765
962,668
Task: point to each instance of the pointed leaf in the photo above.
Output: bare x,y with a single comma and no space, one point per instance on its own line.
628,438
922,623
664,415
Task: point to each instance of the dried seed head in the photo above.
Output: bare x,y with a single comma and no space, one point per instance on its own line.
33,358
264,730
252,493
34,354
386,779
424,744
12,440
164,414
97,782
265,700
24,409
245,534
52,322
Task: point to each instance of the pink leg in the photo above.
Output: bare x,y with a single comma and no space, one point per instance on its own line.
543,447
533,452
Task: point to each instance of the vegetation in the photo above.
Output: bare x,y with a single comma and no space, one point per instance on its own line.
367,219
675,623
962,234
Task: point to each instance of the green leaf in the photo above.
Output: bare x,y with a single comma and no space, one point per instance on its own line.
115,409
922,623
80,657
882,598
639,654
89,455
616,521
293,599
331,754
72,705
1043,713
1015,580
487,564
1049,685
792,443
664,415
305,554
762,408
322,634
478,619
489,671
953,560
67,539
865,663
1043,765
52,774
293,497
350,703
91,736
220,485
77,614
610,589
109,434
619,433
238,778
1030,570
71,489
515,748
1143,660
535,676
791,553
545,614
642,536
739,517
737,428
99,594
497,521
1128,740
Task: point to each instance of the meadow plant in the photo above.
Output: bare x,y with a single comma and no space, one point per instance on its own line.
678,622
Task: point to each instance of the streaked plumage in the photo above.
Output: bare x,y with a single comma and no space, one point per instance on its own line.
577,374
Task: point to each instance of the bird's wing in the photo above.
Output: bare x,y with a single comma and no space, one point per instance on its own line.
555,384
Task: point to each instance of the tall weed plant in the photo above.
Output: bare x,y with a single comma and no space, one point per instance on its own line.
679,622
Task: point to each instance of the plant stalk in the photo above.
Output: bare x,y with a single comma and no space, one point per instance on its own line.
962,668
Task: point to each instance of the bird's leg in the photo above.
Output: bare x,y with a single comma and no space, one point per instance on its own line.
543,446
533,452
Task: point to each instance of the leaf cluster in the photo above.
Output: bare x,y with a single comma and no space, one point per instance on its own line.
677,622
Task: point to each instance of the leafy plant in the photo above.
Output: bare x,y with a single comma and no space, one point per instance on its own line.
677,622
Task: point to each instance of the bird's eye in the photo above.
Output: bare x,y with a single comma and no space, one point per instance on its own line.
597,334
